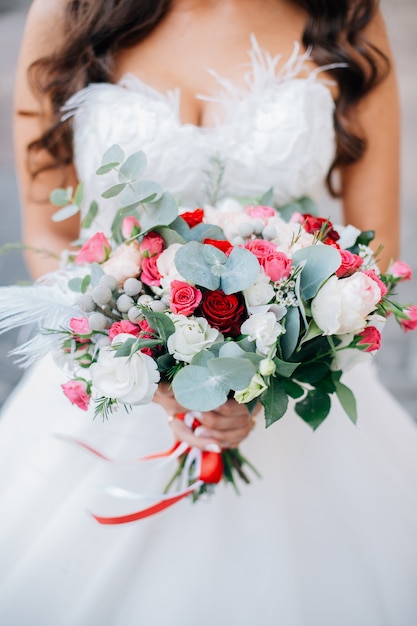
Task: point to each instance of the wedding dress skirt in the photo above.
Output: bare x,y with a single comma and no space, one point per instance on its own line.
327,536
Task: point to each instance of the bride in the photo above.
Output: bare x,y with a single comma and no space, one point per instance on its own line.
287,94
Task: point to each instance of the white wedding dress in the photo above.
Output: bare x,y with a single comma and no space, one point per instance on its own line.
327,536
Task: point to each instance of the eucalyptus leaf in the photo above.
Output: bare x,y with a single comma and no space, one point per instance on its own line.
85,283
197,389
142,191
114,191
213,256
274,401
63,214
206,231
234,373
242,270
75,284
160,323
169,235
105,169
192,265
231,349
321,262
60,197
160,213
308,205
267,198
91,215
133,167
79,193
96,272
314,408
202,358
114,154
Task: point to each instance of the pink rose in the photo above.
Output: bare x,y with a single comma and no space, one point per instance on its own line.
77,393
400,270
184,298
296,218
411,322
130,227
150,273
349,263
277,266
124,326
372,274
147,333
124,263
80,326
152,244
260,212
371,338
95,250
261,248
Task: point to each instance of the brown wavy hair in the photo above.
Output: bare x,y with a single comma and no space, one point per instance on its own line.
95,30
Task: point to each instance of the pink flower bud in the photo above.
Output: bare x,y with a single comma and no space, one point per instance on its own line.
400,270
152,244
130,227
80,326
411,322
77,393
371,338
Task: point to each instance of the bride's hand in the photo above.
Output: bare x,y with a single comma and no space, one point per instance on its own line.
226,426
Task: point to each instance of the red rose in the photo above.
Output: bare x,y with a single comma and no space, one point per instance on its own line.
224,312
220,244
193,217
184,298
349,263
312,224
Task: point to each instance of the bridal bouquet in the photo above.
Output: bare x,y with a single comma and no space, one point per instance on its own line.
229,301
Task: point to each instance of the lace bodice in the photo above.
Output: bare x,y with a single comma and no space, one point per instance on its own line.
277,131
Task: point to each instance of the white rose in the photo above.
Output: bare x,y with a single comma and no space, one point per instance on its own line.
264,329
348,235
191,336
343,305
131,380
261,292
166,266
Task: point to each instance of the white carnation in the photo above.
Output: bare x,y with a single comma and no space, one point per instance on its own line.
264,329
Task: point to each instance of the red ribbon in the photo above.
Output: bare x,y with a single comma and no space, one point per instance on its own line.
209,466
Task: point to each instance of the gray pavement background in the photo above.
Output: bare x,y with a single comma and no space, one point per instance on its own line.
397,359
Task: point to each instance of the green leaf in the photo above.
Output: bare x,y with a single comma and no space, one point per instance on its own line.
347,400
289,340
320,262
292,388
114,191
133,167
314,408
125,348
160,323
60,197
91,215
202,358
142,192
311,372
274,401
285,368
63,214
169,236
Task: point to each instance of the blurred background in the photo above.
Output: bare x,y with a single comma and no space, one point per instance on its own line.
397,360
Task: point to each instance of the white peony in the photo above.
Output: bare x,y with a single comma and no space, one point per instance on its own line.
264,329
343,305
131,380
167,268
191,336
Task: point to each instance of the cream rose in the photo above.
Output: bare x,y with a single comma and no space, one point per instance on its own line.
191,336
124,263
343,305
131,380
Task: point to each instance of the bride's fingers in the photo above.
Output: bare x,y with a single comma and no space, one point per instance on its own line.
183,433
